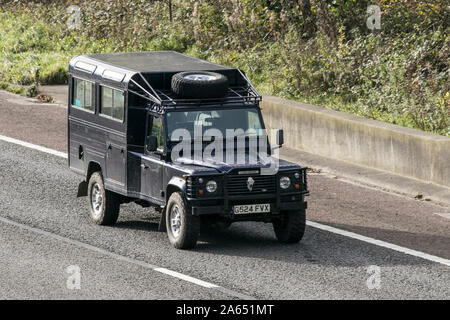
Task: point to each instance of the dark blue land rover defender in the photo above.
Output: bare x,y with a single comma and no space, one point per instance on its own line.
141,127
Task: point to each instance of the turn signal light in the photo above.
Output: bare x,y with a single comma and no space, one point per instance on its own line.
200,192
296,186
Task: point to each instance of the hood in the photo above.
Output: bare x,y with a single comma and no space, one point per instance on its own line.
268,163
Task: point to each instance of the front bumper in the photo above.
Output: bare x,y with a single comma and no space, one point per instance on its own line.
234,192
226,211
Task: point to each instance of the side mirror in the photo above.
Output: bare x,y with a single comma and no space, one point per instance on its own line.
280,137
152,143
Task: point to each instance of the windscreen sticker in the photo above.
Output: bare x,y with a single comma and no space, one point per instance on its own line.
78,103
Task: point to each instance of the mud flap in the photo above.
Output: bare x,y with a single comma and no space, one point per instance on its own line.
162,221
82,189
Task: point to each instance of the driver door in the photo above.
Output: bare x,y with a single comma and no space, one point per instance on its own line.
152,164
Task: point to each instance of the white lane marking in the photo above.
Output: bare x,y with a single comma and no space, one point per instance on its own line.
33,146
443,214
352,235
186,278
129,260
380,243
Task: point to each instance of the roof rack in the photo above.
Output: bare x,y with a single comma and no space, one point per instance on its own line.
160,99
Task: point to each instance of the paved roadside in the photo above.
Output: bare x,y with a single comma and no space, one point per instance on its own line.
57,92
378,179
39,123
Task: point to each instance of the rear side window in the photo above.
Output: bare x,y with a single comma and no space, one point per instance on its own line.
112,103
83,95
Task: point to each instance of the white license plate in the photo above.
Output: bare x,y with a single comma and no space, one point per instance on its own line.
251,208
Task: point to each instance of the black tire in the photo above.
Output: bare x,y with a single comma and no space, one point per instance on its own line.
108,212
189,225
292,227
187,88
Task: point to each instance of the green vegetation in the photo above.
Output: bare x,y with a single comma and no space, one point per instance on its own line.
319,52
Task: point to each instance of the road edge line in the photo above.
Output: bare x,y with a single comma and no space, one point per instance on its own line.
34,146
379,243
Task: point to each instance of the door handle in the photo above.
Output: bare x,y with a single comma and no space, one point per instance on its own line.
144,166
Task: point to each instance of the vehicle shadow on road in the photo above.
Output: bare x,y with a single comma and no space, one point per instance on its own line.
317,247
134,217
140,225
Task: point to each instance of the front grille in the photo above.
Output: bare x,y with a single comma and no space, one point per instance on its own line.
237,185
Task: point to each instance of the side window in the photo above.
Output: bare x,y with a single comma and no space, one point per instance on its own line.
156,130
83,94
112,103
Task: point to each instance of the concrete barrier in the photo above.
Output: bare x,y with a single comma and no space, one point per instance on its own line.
337,135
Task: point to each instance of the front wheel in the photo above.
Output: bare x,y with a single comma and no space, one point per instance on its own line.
291,228
182,227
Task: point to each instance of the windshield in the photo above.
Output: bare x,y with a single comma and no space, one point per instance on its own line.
242,121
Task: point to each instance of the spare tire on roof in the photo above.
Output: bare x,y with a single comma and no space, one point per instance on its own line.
199,85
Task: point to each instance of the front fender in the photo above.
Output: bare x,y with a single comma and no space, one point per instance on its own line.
176,183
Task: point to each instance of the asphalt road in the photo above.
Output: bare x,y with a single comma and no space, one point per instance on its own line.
45,229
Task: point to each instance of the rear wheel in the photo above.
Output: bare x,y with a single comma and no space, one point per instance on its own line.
104,205
182,227
291,228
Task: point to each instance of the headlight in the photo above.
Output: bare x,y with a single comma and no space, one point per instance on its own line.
285,182
297,175
211,186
